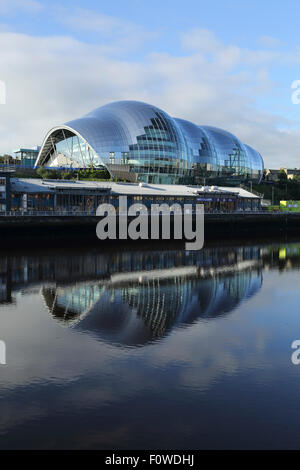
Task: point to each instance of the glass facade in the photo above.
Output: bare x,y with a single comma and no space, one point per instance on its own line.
219,154
73,151
151,144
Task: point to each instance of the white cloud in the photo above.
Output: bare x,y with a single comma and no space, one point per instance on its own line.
269,41
205,42
50,80
120,32
80,18
201,40
8,7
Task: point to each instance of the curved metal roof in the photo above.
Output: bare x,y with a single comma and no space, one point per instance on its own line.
151,139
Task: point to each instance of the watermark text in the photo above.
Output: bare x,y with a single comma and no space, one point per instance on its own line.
2,353
139,222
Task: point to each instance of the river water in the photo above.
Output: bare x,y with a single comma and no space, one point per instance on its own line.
150,349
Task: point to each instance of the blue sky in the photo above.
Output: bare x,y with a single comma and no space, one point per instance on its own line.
235,20
226,63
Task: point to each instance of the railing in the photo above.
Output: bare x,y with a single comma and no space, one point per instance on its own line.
46,213
93,214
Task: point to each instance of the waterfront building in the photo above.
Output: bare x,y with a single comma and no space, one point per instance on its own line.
77,197
140,142
32,195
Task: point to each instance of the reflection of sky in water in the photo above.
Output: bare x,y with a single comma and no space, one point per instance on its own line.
212,368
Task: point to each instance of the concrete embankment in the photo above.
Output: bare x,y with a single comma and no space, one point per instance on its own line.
251,224
216,225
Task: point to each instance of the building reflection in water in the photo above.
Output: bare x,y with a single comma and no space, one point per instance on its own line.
131,298
141,296
136,312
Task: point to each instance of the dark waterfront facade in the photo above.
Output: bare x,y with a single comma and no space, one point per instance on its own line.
163,349
146,144
5,191
83,197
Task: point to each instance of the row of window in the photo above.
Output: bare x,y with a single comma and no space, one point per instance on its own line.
91,202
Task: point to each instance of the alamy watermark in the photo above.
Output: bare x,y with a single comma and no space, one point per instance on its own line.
2,92
295,357
2,353
187,222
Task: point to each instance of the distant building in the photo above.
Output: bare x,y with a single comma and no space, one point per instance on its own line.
274,175
27,157
292,173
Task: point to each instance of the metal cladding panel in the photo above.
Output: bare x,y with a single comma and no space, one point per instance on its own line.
161,149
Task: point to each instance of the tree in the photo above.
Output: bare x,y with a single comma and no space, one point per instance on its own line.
282,176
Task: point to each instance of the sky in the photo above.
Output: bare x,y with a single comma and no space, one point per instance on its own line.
226,63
